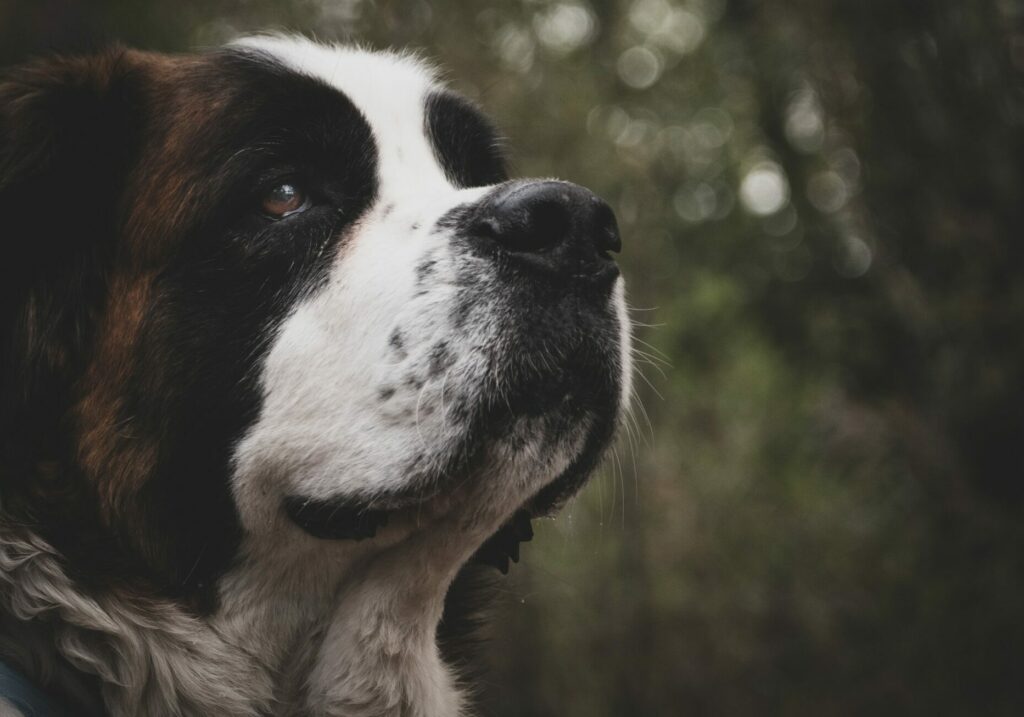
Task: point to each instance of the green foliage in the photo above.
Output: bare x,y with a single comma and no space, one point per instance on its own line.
822,211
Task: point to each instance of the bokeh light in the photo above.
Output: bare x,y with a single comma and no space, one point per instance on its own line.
764,189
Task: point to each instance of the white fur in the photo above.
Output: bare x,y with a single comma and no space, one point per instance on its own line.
324,430
322,424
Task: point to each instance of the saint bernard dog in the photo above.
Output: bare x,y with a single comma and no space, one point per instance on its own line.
287,359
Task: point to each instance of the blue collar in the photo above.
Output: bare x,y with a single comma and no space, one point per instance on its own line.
19,692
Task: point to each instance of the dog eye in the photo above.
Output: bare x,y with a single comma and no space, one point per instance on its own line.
283,200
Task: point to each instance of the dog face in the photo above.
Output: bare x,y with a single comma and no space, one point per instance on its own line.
285,293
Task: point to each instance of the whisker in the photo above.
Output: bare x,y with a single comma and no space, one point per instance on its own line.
647,362
649,384
653,348
416,416
653,358
643,412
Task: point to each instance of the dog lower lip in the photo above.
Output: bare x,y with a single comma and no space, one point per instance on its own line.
334,520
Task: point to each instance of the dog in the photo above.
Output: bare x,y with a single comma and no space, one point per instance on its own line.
286,357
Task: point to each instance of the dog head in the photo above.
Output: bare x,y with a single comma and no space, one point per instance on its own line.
283,293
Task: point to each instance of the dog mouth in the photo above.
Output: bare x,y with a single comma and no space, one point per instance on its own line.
543,351
568,408
562,405
335,519
341,520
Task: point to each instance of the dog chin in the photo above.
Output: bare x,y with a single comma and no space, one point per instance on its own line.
493,472
521,426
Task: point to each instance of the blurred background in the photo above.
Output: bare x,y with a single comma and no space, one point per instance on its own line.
818,508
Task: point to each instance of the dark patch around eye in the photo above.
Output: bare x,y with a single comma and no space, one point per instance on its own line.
230,280
466,144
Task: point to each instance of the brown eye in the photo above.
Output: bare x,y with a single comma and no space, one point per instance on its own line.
282,200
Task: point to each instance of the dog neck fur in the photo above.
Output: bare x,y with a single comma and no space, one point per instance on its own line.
150,656
351,632
365,648
305,627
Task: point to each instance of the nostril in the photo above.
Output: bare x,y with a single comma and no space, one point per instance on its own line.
606,229
526,220
550,224
555,225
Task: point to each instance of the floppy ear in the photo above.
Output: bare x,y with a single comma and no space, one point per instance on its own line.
65,140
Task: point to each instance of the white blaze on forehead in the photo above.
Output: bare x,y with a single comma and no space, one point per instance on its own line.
390,89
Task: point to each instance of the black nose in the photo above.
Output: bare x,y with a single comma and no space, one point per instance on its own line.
557,225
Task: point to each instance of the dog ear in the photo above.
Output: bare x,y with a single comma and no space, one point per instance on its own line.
65,142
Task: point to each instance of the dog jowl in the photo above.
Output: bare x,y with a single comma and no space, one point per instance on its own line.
285,354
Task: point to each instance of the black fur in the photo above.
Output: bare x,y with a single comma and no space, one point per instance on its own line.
74,134
466,144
